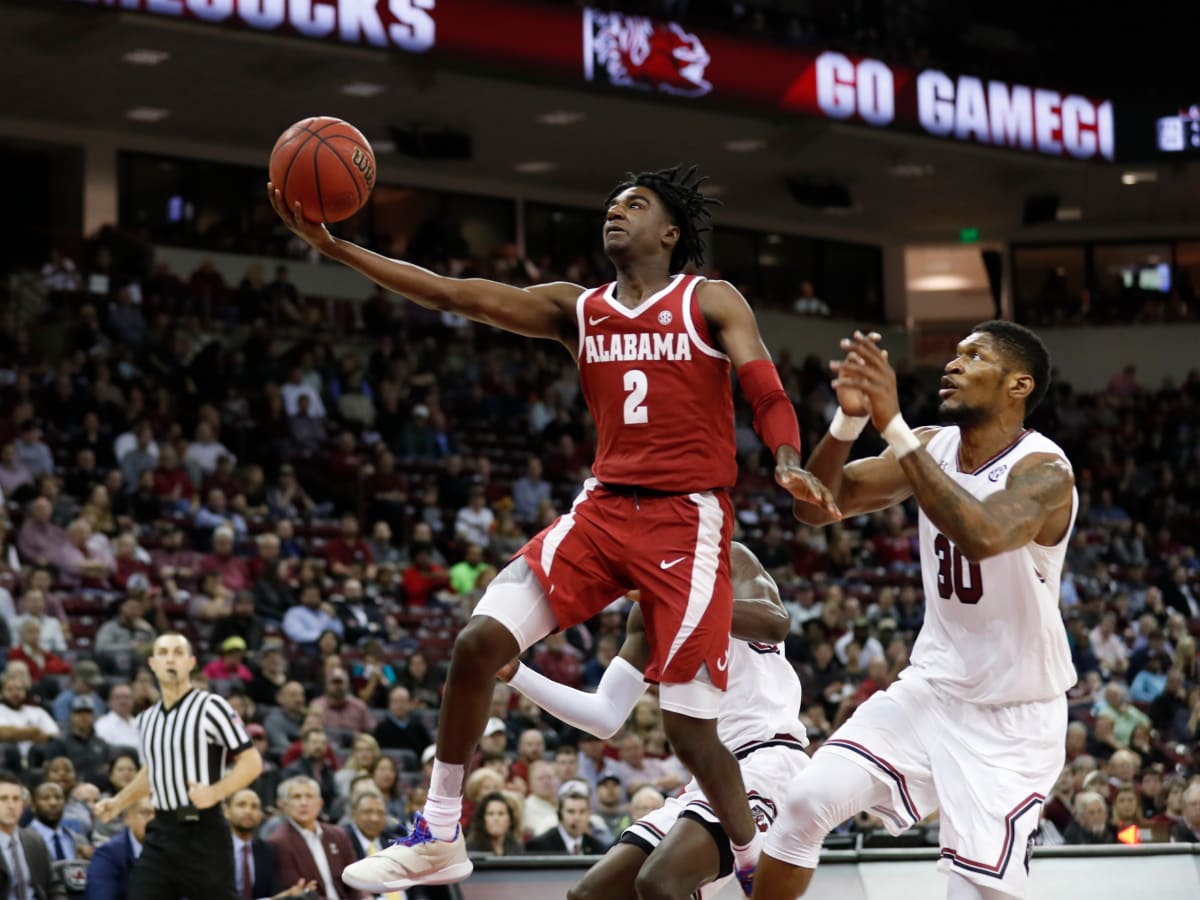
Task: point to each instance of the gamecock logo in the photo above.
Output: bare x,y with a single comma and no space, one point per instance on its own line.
633,51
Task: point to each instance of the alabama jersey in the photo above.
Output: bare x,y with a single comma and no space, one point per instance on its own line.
762,699
993,633
658,390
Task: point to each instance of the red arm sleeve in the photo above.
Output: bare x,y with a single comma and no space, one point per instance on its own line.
774,416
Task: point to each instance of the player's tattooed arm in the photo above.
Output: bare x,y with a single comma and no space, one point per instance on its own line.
1038,489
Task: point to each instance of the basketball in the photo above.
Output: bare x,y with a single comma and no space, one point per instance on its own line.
327,165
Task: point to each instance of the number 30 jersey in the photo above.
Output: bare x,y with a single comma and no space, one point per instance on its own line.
993,632
658,390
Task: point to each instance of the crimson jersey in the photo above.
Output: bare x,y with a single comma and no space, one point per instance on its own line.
658,390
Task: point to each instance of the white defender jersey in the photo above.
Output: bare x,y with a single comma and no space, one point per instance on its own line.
762,699
993,632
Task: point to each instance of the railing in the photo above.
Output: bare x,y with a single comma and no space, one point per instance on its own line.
1109,872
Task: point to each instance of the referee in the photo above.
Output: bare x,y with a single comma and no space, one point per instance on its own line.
185,739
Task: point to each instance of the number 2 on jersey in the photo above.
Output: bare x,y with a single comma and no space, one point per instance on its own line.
637,385
956,577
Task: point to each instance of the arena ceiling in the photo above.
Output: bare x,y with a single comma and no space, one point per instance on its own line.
65,67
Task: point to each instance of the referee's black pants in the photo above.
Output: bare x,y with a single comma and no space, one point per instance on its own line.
182,858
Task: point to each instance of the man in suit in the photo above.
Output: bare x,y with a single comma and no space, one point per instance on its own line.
1187,831
108,872
255,864
311,850
25,861
572,836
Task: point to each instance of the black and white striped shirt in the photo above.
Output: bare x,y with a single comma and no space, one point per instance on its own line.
188,743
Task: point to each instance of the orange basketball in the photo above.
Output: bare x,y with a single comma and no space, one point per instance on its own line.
325,164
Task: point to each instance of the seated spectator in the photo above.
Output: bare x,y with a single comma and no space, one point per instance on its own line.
79,742
401,729
608,803
86,681
341,709
172,483
541,805
118,727
369,830
305,623
270,674
33,604
529,492
495,827
241,623
296,388
465,575
108,871
363,753
312,764
424,685
174,561
287,499
348,549
39,539
386,776
381,546
1125,716
284,721
309,850
473,523
39,660
255,864
359,614
572,836
48,805
203,453
22,725
84,556
306,431
234,570
373,678
1187,831
559,661
1151,680
1090,823
423,578
230,664
130,560
124,638
32,451
216,514
142,457
13,474
1108,645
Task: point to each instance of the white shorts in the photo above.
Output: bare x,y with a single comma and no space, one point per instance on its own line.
988,770
766,773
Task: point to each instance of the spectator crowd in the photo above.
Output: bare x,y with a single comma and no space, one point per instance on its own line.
319,516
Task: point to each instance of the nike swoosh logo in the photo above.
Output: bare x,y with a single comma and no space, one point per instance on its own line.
666,565
592,321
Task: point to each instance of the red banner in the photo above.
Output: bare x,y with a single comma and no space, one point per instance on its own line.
570,46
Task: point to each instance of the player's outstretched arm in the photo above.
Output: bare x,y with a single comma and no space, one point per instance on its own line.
542,311
735,329
758,613
1034,505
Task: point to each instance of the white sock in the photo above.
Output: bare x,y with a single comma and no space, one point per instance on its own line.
443,807
747,855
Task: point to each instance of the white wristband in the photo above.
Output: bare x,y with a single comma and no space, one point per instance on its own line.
900,437
847,428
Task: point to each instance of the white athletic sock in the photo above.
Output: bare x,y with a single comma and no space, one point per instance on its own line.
747,855
443,807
